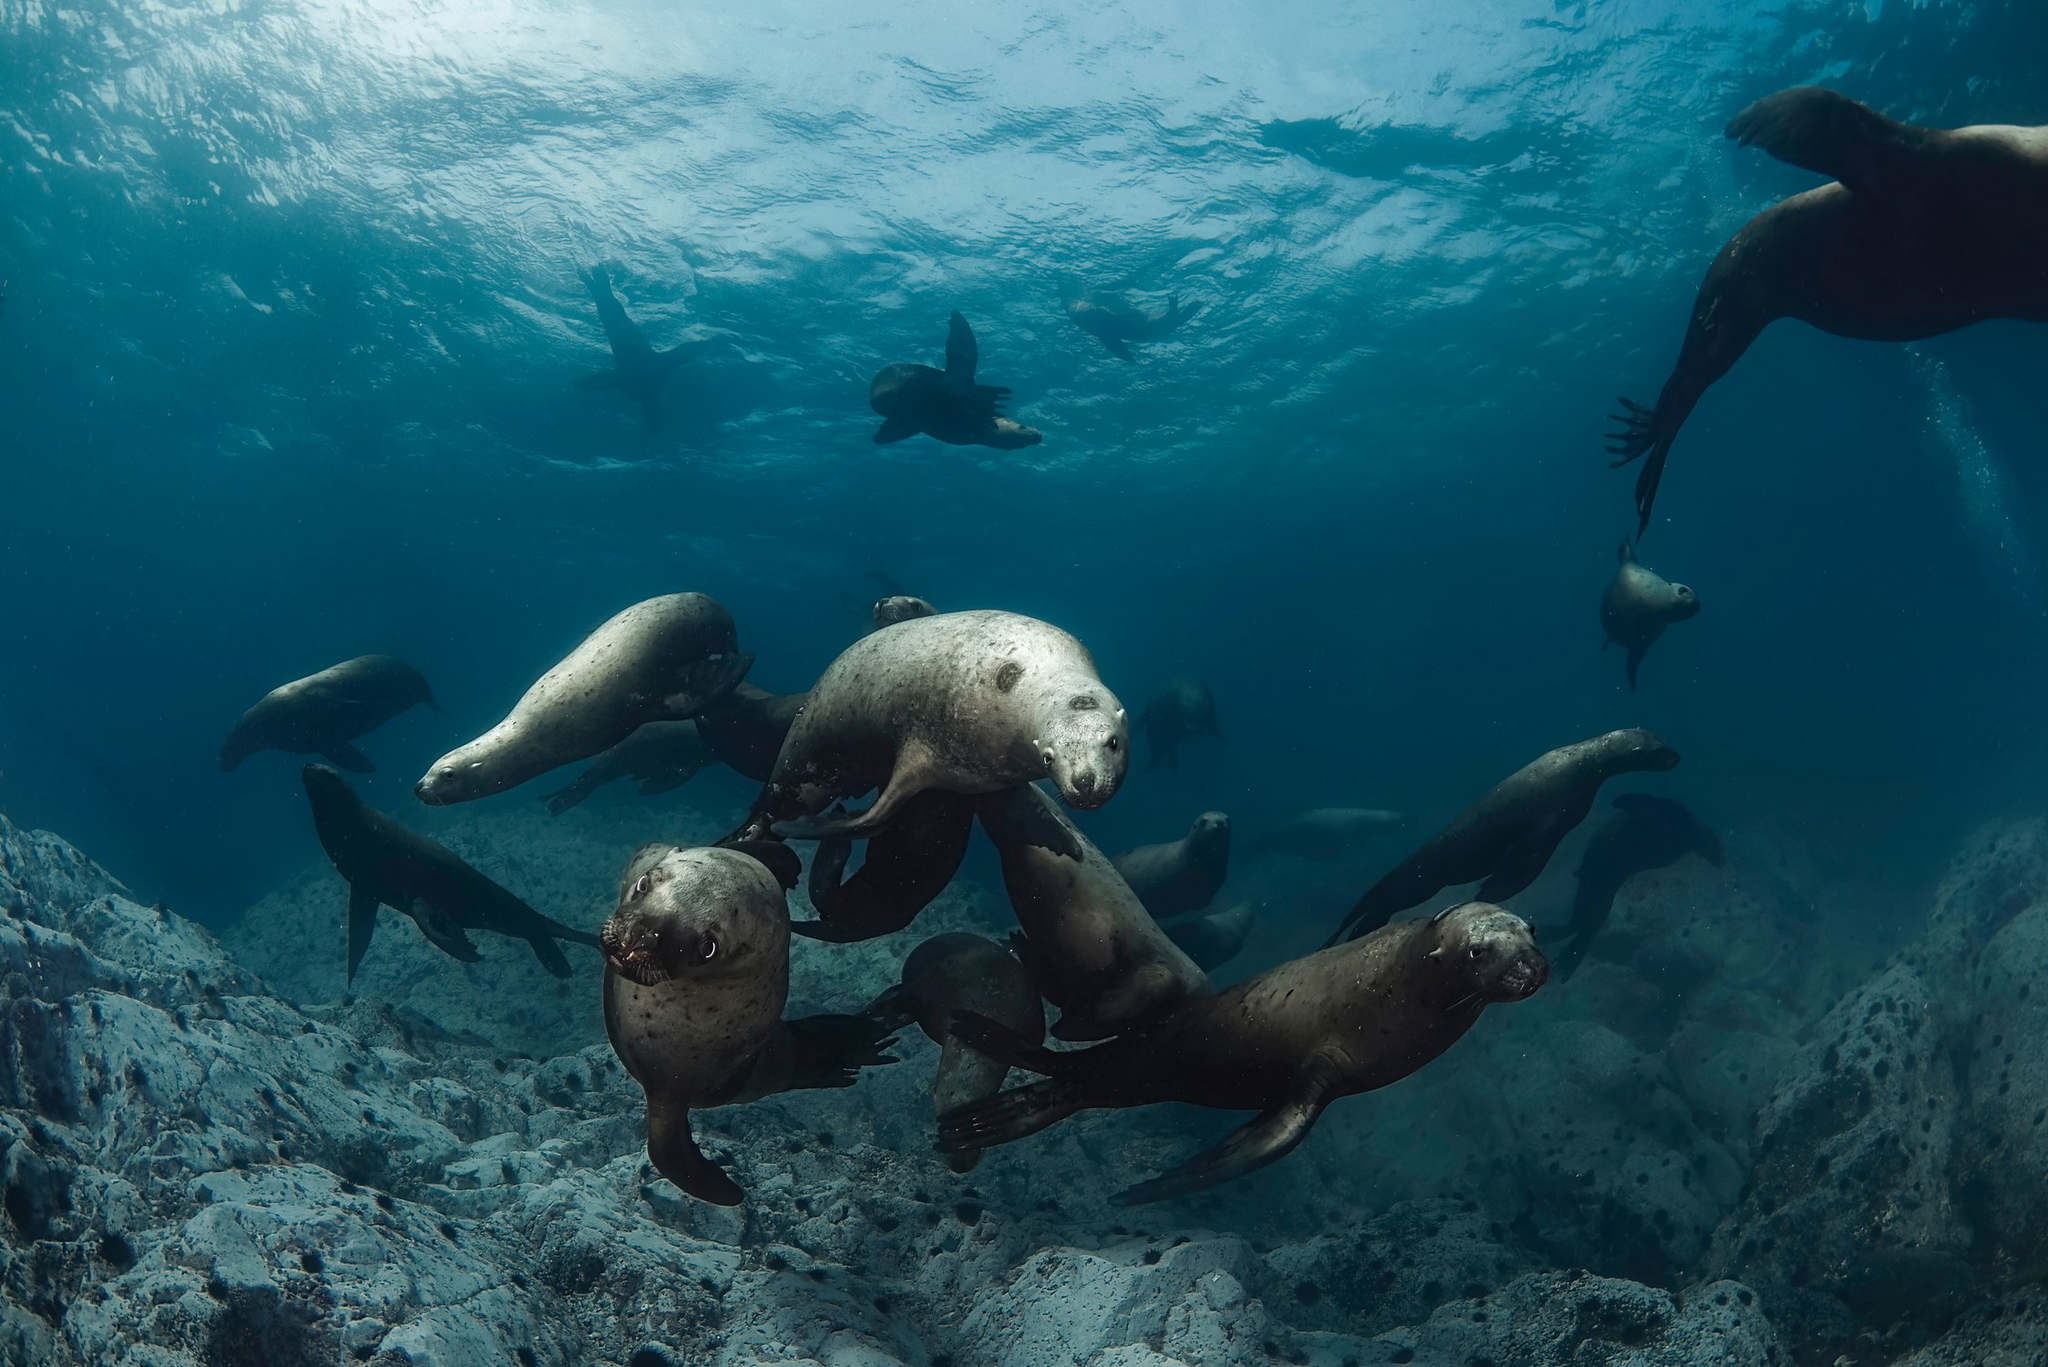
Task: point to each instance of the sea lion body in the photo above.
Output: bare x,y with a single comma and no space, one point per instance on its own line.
1180,710
901,607
1326,832
637,368
322,713
664,659
1923,231
1116,322
663,755
1284,1043
1508,836
1180,876
1639,604
1213,940
1644,833
946,404
909,863
385,864
1092,948
971,702
746,727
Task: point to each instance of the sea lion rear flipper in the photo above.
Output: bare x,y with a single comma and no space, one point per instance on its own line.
895,1008
1005,1117
1827,132
705,682
362,924
600,379
550,955
1635,658
583,786
993,1039
896,429
446,935
816,1052
673,1151
1520,863
663,783
836,823
1642,435
963,354
346,756
1267,1136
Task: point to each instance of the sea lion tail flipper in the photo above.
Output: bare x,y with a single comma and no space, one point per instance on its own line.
362,924
1270,1135
550,955
827,1051
444,932
705,682
600,379
993,1039
346,756
896,429
963,353
1643,434
582,786
1635,658
1005,1116
673,1151
1821,130
1117,347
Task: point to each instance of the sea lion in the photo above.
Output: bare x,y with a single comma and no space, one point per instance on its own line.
1116,322
971,702
1638,605
663,755
1181,875
1644,833
909,862
901,607
385,864
321,713
1285,1043
1092,948
663,659
1213,940
1325,832
1181,709
637,368
697,974
1924,230
1509,835
960,972
946,404
745,728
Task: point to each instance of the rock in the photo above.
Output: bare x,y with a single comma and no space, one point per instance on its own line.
2003,1137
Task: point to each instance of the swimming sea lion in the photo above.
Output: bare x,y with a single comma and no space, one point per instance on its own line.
971,702
960,972
901,608
1181,875
909,862
697,974
663,755
1213,940
1644,833
385,864
1924,230
1179,710
321,713
1285,1043
1509,835
1092,948
663,659
1116,322
1639,604
946,404
637,368
1325,832
746,727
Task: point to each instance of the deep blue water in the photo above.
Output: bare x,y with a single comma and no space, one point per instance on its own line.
293,317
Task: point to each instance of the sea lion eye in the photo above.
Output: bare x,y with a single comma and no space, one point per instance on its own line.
708,950
1048,759
1114,745
640,887
1475,954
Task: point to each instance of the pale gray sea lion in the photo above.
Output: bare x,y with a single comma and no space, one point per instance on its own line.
637,368
1184,875
1285,1043
664,659
663,755
1180,710
1116,322
322,713
1639,604
1325,832
1213,940
1923,231
947,404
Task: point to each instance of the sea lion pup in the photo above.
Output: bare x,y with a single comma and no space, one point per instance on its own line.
385,864
745,728
1924,230
1213,940
637,368
1508,836
663,755
322,713
1325,832
664,659
908,863
1092,948
1638,605
960,972
901,607
1644,833
971,702
946,404
1181,709
1285,1043
696,976
1183,875
1116,322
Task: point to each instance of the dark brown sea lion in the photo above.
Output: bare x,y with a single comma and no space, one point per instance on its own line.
663,755
909,862
1923,231
1644,833
1116,322
637,368
1639,604
321,713
1184,875
947,404
745,728
1179,710
1285,1043
1213,940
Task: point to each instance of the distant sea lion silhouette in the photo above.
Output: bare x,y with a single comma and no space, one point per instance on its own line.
1285,1043
1508,836
322,713
1184,875
909,862
1213,940
1639,604
901,608
663,755
1325,832
1644,833
1923,231
1116,322
746,727
637,368
946,404
1180,709
664,659
385,864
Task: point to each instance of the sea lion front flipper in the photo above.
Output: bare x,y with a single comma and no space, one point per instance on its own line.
1520,863
673,1151
836,823
362,924
1821,130
1635,658
963,353
815,1052
1267,1136
346,756
896,429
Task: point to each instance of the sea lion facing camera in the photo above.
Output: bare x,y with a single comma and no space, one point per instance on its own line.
1644,833
1924,230
1508,836
1325,832
901,607
1639,604
909,862
322,713
1116,322
1180,710
664,659
946,404
1184,875
971,702
1285,1043
663,755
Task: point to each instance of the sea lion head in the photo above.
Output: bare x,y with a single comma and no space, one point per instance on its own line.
1684,603
457,776
694,914
901,607
1210,828
1489,951
1085,746
1633,750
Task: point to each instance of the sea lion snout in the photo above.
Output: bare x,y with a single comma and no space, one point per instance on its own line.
1525,973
